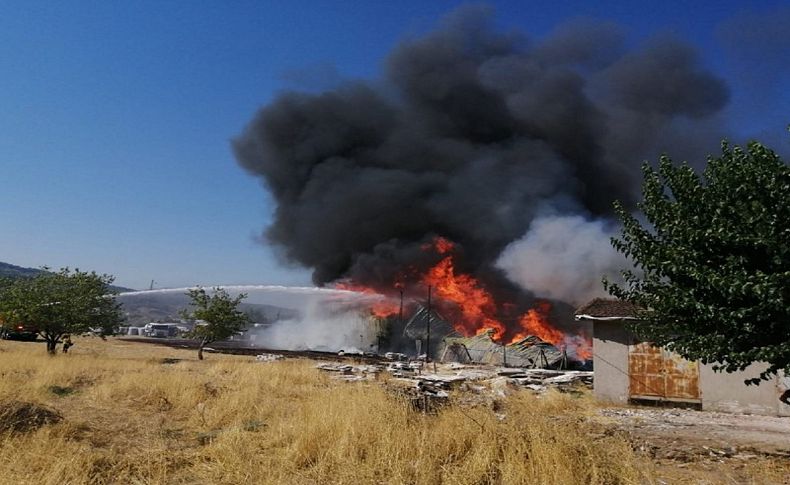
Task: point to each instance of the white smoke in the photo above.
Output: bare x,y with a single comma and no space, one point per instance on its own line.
563,258
328,319
322,327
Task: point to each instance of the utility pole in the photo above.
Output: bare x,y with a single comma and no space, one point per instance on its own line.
428,336
400,312
378,335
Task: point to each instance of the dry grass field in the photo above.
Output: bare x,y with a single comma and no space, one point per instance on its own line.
120,412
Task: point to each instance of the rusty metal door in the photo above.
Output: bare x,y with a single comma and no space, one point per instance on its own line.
657,374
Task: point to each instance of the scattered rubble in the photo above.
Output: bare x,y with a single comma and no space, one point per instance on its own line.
350,373
396,356
334,367
269,357
403,369
541,379
479,384
475,378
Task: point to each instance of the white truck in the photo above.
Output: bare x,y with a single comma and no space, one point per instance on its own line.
160,330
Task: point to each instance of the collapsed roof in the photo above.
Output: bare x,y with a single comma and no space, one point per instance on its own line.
528,352
417,327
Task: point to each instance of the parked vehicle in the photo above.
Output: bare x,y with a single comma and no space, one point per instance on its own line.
19,332
160,330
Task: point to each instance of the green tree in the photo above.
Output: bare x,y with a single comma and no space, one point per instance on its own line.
219,313
712,261
60,303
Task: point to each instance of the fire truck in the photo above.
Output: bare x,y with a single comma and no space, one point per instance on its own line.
18,332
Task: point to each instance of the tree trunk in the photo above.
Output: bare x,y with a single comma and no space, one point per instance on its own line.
52,346
203,343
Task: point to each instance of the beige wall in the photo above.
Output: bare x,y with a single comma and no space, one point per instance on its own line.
610,360
727,392
719,391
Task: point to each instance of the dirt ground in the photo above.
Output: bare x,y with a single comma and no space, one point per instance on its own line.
706,447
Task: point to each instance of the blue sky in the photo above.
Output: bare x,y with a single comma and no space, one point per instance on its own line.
116,116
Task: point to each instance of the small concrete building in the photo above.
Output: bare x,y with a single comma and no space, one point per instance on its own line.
628,370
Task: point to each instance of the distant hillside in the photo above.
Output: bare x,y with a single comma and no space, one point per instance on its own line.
13,271
142,308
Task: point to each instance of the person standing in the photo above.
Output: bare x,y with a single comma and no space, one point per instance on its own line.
67,343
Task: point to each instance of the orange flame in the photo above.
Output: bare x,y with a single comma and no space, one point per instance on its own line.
581,346
584,350
477,306
536,322
443,246
382,307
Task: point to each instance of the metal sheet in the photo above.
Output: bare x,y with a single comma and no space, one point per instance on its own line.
657,373
682,377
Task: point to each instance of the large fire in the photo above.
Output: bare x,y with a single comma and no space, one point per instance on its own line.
476,305
474,309
536,322
381,306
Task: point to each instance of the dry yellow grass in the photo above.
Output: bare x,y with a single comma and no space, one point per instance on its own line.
130,418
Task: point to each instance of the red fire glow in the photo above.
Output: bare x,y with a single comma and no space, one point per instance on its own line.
583,347
478,307
381,307
536,322
475,308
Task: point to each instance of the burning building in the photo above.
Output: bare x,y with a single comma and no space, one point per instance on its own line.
462,306
425,323
471,142
528,352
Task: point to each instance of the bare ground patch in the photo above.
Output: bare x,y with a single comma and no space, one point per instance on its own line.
707,447
22,417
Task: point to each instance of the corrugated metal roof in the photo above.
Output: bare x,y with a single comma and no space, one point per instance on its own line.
417,326
528,352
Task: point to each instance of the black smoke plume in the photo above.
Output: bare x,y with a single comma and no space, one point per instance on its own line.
470,135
